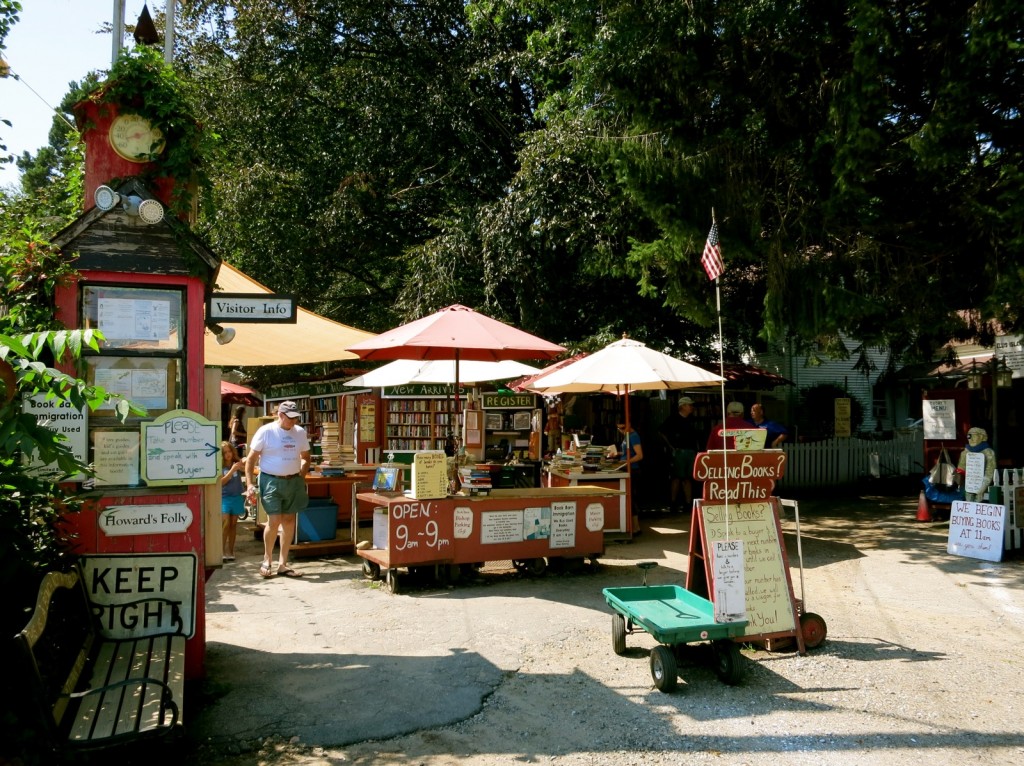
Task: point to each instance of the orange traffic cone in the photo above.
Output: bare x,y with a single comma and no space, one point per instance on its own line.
923,513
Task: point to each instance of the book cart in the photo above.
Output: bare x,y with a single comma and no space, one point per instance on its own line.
451,535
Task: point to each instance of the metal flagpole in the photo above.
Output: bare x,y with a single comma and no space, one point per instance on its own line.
721,372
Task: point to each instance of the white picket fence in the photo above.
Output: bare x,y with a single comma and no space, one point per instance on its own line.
835,462
1008,480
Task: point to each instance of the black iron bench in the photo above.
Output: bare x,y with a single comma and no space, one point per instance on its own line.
90,691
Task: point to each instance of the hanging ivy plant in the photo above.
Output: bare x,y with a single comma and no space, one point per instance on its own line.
140,82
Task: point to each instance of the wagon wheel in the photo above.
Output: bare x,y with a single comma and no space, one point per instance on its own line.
618,633
392,581
536,567
663,669
814,629
371,570
447,573
728,661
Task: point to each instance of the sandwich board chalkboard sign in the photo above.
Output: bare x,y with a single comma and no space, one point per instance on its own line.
738,506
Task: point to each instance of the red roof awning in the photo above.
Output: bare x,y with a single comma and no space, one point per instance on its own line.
232,393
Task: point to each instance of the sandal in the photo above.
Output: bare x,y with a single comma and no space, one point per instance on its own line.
265,570
287,571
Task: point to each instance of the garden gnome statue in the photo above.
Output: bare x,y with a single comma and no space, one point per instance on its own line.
977,464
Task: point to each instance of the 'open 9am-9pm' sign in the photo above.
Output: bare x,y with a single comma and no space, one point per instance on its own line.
180,447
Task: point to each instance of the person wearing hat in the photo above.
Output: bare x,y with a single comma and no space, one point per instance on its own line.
281,449
679,432
733,421
977,443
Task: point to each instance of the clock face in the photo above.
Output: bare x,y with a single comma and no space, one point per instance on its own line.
135,139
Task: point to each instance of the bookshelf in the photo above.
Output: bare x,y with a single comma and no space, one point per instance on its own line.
414,424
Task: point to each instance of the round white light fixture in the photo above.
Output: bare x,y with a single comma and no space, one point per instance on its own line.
106,198
151,211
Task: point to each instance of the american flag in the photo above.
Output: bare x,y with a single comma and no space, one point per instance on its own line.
712,258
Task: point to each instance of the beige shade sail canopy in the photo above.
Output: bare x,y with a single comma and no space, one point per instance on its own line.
311,339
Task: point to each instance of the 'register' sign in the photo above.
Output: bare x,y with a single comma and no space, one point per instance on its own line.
739,477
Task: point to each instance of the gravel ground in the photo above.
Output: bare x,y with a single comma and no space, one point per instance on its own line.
919,662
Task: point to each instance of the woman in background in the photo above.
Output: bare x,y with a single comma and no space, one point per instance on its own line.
232,495
236,429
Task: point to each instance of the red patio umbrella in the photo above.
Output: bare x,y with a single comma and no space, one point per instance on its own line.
232,393
457,332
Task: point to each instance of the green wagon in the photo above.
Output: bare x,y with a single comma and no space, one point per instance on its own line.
674,616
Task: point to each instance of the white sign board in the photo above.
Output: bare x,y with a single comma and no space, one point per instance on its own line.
1011,348
730,582
976,530
939,418
975,472
595,517
463,523
181,447
124,520
563,524
139,595
68,421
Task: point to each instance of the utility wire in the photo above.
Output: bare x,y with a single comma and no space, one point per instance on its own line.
55,110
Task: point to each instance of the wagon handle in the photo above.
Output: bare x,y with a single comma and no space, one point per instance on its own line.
645,567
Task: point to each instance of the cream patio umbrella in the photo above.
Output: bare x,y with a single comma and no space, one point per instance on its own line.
620,367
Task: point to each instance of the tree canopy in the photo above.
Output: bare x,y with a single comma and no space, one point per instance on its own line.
556,163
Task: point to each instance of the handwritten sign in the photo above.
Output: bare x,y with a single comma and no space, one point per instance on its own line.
739,476
768,598
181,447
730,590
975,472
419,531
117,583
429,475
976,530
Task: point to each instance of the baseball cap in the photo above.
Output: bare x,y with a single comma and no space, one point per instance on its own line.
289,408
685,400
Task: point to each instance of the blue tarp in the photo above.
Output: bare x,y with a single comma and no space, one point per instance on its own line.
941,494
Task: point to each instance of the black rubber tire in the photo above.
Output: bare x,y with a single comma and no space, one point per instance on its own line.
392,581
663,669
728,661
536,567
814,630
618,633
371,570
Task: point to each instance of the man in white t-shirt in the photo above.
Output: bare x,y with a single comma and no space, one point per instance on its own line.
282,451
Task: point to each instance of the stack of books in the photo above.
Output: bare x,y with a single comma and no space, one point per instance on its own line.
475,479
331,450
